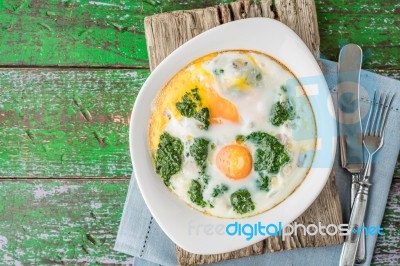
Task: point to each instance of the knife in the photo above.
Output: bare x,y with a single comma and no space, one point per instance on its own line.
350,129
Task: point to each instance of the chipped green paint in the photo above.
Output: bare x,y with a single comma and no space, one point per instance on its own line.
371,24
59,123
388,246
111,33
69,33
74,122
76,221
72,222
381,49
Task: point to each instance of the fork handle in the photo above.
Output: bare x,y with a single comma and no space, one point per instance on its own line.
360,255
356,220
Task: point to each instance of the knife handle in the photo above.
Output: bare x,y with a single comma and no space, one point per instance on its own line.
360,255
349,250
355,178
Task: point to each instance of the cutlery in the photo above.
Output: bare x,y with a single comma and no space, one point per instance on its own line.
373,142
350,129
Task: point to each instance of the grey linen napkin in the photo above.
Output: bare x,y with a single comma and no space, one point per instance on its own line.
140,236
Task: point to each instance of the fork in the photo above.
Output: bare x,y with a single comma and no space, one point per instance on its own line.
373,142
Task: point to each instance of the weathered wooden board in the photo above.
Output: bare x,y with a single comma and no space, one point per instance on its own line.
59,123
47,222
110,33
71,222
165,32
43,130
388,246
71,32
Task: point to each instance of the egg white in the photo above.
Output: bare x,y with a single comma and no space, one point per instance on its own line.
253,101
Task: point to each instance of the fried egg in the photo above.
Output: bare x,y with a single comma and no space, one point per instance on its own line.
232,134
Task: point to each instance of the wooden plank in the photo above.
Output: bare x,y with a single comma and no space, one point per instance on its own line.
391,73
110,33
159,28
60,123
47,222
371,24
74,222
388,246
71,33
353,7
43,129
23,41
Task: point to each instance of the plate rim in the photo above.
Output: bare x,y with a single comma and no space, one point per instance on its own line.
133,138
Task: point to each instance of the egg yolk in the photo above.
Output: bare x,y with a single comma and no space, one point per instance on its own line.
219,107
234,161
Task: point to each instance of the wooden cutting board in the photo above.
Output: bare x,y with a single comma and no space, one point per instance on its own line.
167,31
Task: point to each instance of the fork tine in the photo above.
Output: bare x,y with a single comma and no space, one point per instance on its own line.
386,113
374,119
382,106
371,110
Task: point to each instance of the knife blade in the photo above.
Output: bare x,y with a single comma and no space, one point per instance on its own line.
350,129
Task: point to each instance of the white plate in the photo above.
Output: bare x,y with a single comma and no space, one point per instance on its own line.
188,228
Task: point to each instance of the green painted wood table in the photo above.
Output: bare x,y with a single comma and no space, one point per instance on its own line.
70,71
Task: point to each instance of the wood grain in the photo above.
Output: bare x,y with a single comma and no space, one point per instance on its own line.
110,33
366,24
75,222
38,33
84,33
61,222
60,123
43,129
388,246
165,32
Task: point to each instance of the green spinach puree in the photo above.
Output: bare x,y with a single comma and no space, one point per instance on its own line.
199,151
269,157
168,157
241,201
191,106
196,193
282,112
